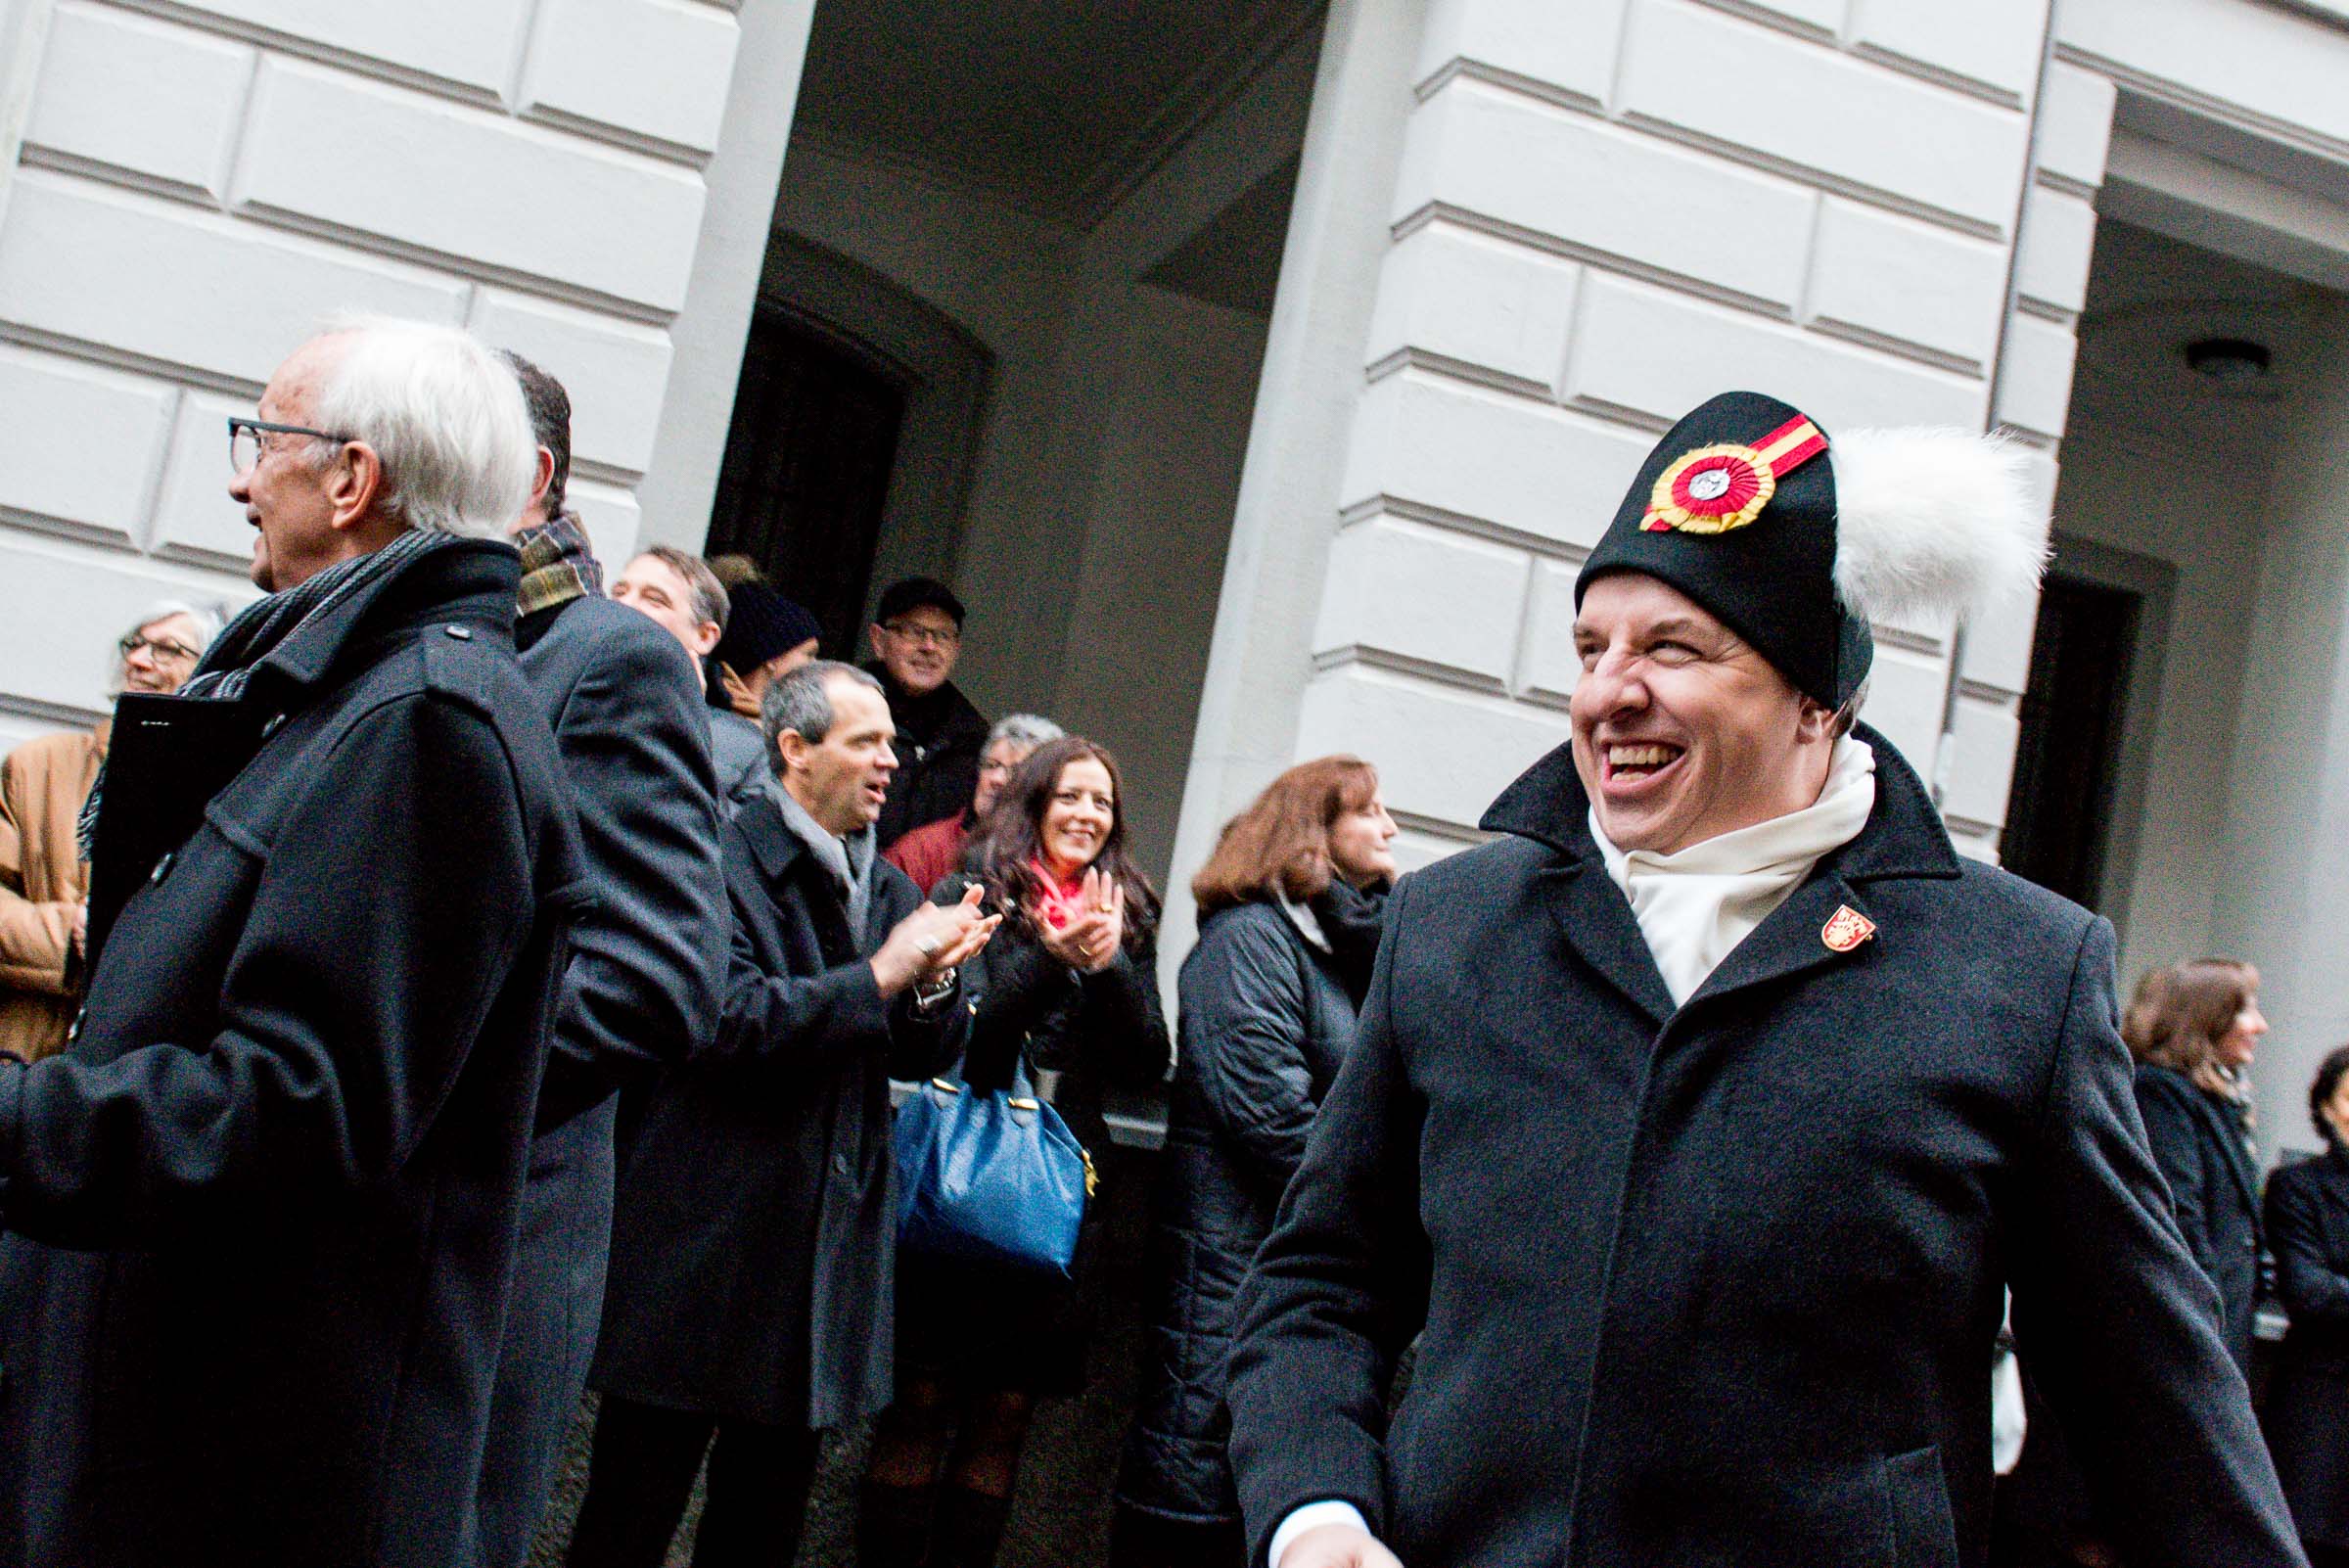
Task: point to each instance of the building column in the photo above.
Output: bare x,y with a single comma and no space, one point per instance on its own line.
2288,776
1260,659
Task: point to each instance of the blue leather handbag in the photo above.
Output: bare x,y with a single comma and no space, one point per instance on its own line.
993,1178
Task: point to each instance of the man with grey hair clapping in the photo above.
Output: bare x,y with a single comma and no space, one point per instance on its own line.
262,1210
755,1229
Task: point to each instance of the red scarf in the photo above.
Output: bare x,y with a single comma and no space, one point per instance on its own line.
1054,903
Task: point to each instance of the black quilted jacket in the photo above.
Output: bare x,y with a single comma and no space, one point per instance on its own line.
1265,1019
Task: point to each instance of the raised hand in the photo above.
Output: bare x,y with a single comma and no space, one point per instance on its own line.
931,939
1089,942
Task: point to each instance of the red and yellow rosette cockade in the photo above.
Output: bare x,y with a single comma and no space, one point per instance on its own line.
1716,489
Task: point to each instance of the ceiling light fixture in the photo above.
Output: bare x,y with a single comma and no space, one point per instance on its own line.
2232,361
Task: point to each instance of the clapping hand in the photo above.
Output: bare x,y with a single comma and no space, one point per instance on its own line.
934,938
1089,942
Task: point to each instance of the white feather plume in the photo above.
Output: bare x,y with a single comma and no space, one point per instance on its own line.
1933,522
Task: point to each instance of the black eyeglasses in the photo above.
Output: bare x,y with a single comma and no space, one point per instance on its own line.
245,438
163,648
924,637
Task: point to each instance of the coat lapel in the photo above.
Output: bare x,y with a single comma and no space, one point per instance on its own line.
2230,1138
792,876
1790,941
1597,923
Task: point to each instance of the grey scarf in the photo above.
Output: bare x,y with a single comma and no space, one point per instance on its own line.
849,861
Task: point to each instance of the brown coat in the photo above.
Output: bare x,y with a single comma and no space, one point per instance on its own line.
43,880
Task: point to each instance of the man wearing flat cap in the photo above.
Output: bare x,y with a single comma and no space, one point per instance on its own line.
1701,1123
918,636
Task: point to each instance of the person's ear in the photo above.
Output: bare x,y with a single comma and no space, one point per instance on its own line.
792,747
543,480
873,635
705,638
354,484
1815,721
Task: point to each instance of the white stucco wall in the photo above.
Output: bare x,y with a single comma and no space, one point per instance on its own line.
1603,215
199,185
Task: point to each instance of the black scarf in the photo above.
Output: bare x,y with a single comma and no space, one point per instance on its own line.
1350,920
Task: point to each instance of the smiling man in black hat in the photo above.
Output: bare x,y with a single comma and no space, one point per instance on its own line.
917,637
1699,1124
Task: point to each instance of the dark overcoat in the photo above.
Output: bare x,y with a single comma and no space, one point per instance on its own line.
2197,1141
755,1221
2307,1413
1718,1285
639,994
262,1211
1265,1022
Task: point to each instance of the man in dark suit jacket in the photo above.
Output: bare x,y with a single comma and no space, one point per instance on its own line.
1697,1125
756,1224
640,992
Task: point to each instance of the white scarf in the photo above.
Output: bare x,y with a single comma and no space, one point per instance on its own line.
1696,904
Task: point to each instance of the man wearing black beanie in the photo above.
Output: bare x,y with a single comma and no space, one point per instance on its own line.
1698,1125
766,637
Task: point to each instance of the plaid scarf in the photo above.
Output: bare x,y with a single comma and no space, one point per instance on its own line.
558,565
267,624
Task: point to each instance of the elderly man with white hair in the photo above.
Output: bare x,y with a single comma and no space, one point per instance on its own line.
260,1213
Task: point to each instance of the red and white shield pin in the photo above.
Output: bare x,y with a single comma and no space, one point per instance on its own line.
1847,928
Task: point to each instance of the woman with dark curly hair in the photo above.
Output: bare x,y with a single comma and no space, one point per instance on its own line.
2308,1399
1068,989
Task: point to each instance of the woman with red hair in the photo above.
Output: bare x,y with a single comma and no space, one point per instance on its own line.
1289,907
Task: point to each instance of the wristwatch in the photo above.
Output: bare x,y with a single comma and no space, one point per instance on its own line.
928,994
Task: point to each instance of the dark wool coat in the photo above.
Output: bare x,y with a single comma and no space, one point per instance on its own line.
938,741
757,1219
640,993
2307,1413
2197,1141
1719,1286
1265,1022
647,962
288,1145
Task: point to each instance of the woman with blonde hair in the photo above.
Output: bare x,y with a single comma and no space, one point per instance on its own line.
1289,907
2194,1027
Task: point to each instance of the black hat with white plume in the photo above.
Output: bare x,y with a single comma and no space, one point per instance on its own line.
1795,542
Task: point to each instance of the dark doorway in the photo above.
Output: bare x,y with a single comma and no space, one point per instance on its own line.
2059,813
807,470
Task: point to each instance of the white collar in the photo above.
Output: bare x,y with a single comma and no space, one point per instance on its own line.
1696,905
